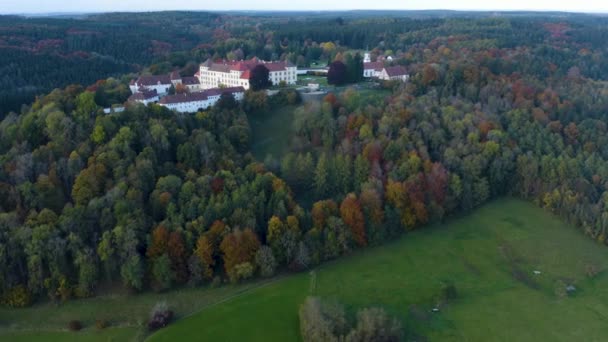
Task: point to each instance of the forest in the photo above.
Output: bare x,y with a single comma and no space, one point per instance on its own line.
153,200
39,54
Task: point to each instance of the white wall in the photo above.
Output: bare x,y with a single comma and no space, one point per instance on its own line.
194,106
213,79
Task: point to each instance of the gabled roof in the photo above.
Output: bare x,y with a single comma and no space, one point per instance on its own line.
175,76
395,71
199,95
276,66
245,65
184,98
220,91
377,66
190,80
153,80
143,95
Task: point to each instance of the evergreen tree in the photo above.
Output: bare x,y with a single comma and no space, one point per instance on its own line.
321,185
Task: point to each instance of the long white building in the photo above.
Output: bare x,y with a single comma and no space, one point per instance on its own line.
160,83
195,101
237,73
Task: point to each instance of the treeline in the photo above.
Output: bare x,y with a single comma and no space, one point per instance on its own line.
40,54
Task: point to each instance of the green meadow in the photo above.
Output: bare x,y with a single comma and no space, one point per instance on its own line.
271,132
490,256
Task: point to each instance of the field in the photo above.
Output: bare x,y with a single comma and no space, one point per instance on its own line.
490,256
127,314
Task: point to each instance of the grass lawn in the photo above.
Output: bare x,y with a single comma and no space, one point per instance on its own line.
490,257
110,334
126,314
271,132
306,79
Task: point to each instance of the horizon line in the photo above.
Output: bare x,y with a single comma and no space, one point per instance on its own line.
309,10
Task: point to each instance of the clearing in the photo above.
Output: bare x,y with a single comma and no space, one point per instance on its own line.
271,132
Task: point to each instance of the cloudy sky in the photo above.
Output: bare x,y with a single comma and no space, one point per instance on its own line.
44,6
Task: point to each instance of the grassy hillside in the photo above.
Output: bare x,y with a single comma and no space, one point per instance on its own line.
271,132
127,314
490,256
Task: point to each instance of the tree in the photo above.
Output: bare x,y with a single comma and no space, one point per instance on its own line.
176,250
321,211
132,272
352,215
301,259
361,172
259,78
265,261
158,243
238,247
354,68
337,74
343,173
374,324
321,185
161,270
205,252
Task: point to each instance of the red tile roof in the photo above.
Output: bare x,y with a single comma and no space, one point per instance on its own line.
184,98
153,80
395,71
190,80
220,91
244,66
143,95
199,96
377,66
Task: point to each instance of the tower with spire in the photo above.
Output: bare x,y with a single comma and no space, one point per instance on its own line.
367,58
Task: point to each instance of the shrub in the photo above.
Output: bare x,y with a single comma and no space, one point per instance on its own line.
74,325
217,281
17,297
241,272
560,289
449,292
374,324
160,316
320,321
591,270
101,324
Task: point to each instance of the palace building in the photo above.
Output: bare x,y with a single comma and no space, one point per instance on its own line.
237,73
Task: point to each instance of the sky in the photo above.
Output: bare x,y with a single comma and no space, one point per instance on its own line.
51,6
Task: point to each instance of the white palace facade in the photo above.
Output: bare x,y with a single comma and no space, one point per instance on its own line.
237,73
